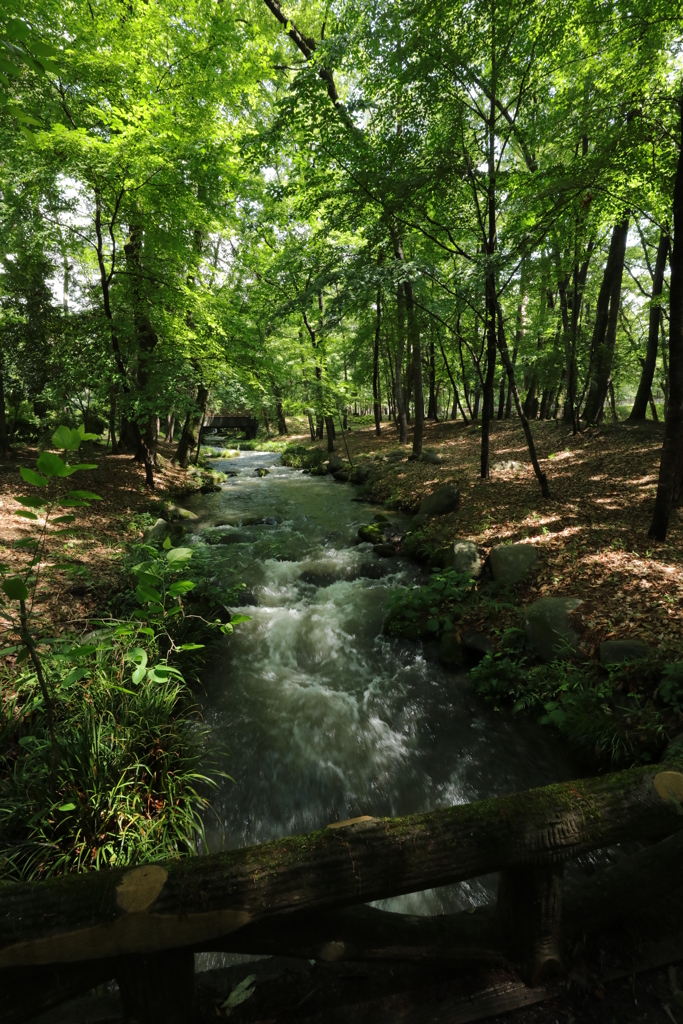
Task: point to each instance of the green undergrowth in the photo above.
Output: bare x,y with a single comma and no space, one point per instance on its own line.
429,610
132,771
613,716
301,457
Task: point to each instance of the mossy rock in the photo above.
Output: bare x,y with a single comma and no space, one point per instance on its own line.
372,534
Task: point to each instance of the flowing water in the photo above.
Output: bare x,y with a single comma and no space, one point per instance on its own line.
323,718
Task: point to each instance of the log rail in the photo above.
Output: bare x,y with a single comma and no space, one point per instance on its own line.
305,888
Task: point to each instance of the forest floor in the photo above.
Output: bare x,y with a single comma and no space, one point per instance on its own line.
591,534
81,572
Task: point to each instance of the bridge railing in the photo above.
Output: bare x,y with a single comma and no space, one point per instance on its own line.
296,895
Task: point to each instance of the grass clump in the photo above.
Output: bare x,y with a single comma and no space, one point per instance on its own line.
131,774
613,716
429,610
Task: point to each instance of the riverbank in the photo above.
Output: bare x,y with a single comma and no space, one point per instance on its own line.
590,543
104,760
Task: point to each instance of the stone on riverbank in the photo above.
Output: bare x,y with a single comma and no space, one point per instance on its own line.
510,563
335,463
372,534
360,475
444,499
549,629
614,652
463,556
451,654
431,457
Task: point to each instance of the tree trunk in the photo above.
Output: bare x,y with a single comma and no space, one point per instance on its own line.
375,364
414,335
4,439
329,426
189,436
605,328
456,397
398,373
639,410
505,356
281,421
311,424
432,412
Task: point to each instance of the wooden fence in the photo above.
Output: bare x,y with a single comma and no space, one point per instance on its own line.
296,895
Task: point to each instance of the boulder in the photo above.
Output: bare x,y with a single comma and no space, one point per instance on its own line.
261,471
476,642
371,534
342,476
335,463
510,563
319,579
418,521
444,499
372,571
385,550
431,457
157,534
463,556
614,652
175,512
549,629
451,654
360,475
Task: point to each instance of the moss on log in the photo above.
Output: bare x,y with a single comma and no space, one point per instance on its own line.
197,900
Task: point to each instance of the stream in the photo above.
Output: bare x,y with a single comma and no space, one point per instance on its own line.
320,716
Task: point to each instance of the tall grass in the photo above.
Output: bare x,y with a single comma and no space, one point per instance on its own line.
131,780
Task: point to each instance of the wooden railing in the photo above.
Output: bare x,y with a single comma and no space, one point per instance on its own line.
296,895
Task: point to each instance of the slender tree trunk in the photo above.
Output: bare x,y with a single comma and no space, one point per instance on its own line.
329,426
673,430
311,425
375,363
398,374
4,439
653,407
432,413
414,335
456,397
489,249
605,329
639,410
505,356
189,436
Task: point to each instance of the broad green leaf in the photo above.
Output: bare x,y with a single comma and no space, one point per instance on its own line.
167,544
83,650
176,556
191,647
44,50
181,587
18,29
25,542
15,589
9,68
64,519
10,650
74,675
74,503
67,439
51,465
67,807
25,515
82,465
236,619
21,116
32,502
143,593
32,478
86,437
85,494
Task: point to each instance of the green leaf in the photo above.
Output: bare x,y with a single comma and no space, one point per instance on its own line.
21,116
43,50
74,503
181,587
15,589
86,437
25,542
51,465
32,502
433,625
143,594
82,465
9,68
167,544
178,556
184,647
32,478
236,619
74,675
85,494
67,439
67,807
17,29
138,675
13,650
64,519
25,515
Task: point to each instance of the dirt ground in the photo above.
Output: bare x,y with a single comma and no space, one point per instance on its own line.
591,534
82,570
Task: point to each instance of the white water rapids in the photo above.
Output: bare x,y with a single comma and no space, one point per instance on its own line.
322,717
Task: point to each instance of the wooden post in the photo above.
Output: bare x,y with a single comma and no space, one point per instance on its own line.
157,988
530,906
